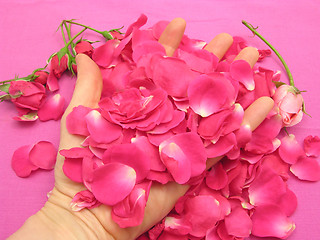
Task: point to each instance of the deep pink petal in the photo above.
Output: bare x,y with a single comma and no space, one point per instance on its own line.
288,202
290,150
75,152
147,47
274,162
223,146
20,161
306,168
43,154
83,199
52,82
52,109
173,75
203,212
217,177
103,55
184,156
177,118
113,182
311,145
162,177
271,221
210,94
238,223
101,130
241,71
129,154
151,151
130,211
29,117
267,188
177,225
72,168
75,121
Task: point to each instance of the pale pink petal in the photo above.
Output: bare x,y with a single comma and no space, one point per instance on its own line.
209,94
203,212
83,199
113,182
101,130
267,188
306,168
129,154
20,161
52,109
72,168
290,150
271,221
311,145
217,177
184,156
130,211
75,121
43,154
212,234
173,75
238,223
241,71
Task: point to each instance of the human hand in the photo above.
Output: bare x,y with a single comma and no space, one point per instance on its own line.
56,218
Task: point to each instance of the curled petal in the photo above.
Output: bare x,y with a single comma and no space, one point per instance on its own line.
311,145
75,121
83,199
113,182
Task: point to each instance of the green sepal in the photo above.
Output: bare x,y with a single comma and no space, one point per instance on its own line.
63,51
5,87
32,116
5,97
107,35
304,109
278,84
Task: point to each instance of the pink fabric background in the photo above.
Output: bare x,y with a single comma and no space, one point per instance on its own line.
28,38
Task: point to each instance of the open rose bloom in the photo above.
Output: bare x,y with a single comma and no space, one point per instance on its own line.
160,118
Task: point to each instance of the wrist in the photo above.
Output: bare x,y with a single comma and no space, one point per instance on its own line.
57,221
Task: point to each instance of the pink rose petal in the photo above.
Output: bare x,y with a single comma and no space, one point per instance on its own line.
83,199
75,121
241,71
101,130
52,109
306,168
290,150
217,177
113,182
238,223
20,162
72,168
43,154
311,145
271,221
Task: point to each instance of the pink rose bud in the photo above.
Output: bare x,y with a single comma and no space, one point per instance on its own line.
84,47
117,35
28,95
58,68
290,104
42,77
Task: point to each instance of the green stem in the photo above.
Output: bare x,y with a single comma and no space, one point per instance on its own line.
106,34
75,36
63,36
273,49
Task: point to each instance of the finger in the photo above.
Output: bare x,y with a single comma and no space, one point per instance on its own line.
254,115
249,54
220,44
87,92
172,35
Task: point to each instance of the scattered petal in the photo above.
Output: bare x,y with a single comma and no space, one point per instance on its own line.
311,145
43,154
20,162
52,109
306,168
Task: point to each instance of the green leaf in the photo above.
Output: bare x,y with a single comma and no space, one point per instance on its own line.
5,87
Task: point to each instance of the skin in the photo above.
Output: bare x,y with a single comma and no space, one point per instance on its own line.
57,221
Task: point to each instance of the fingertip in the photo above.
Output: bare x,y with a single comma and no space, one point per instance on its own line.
249,54
255,114
220,44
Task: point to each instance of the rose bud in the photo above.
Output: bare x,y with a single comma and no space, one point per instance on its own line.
27,95
56,67
290,104
84,47
42,77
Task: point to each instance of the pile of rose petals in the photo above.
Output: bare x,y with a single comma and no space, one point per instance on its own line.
160,118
